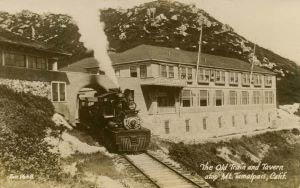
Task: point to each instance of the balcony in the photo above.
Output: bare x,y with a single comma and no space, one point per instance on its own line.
160,81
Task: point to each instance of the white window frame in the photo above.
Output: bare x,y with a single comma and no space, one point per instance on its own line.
222,97
245,98
191,99
203,75
132,68
220,74
257,79
256,97
235,76
268,81
269,97
233,98
58,91
171,67
141,75
200,97
245,79
161,70
182,71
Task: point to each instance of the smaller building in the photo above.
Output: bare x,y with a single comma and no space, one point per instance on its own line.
31,66
27,65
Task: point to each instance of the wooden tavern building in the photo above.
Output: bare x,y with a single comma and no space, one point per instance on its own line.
172,102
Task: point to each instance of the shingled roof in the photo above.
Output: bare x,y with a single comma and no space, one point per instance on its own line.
164,54
10,38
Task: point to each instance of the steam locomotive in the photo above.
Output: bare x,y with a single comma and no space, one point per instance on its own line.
115,114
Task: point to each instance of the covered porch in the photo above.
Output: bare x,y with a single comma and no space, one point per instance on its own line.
162,99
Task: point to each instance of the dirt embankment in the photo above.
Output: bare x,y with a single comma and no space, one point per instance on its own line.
268,160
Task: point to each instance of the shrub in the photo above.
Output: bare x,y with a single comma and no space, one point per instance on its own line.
295,131
24,121
28,100
24,155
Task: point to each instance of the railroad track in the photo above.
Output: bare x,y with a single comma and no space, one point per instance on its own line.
162,174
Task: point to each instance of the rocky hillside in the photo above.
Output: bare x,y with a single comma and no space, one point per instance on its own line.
162,23
175,24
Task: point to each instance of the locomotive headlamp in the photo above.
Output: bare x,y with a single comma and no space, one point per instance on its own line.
132,123
132,105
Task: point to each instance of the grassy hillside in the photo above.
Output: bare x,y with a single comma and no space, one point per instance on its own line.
272,148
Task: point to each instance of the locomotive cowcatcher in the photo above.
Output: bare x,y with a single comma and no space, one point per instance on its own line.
115,115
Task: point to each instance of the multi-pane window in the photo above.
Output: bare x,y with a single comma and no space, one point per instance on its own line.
233,78
232,97
203,75
186,73
219,98
245,97
171,71
182,73
203,98
189,74
269,97
133,71
268,81
186,98
58,91
220,76
256,97
143,71
16,60
245,79
37,63
257,80
163,71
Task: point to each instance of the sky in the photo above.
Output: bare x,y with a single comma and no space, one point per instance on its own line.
273,24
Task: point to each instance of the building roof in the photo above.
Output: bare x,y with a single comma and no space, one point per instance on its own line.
10,38
81,65
164,54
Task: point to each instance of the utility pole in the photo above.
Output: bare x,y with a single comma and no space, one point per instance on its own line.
199,52
252,64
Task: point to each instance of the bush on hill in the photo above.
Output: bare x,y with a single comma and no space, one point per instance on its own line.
24,122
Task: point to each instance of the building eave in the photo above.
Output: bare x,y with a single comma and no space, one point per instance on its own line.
188,64
50,51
